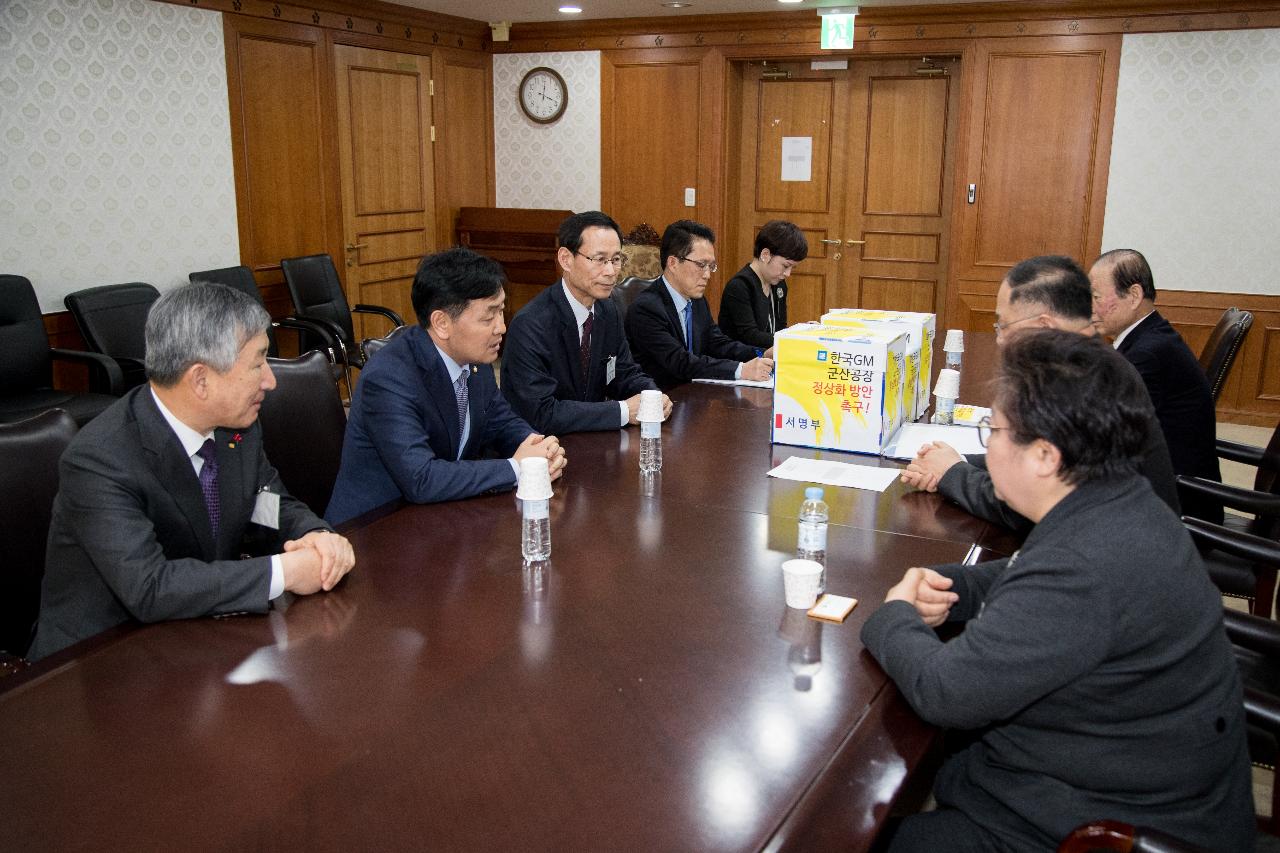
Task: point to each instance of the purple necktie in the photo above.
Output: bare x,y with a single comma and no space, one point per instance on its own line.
584,355
463,395
209,483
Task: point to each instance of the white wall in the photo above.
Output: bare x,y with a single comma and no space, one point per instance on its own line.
115,160
1195,159
550,166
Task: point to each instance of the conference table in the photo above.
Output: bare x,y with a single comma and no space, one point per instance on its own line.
644,689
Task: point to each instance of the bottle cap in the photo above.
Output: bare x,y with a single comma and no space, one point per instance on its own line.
955,341
535,479
948,384
650,406
813,493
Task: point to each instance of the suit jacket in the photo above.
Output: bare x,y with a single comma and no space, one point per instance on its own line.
541,373
130,536
402,434
1095,674
656,334
745,311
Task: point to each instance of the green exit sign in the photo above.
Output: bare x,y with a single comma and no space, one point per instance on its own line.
837,32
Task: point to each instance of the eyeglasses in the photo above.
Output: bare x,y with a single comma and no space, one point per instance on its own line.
1000,327
985,429
618,261
705,266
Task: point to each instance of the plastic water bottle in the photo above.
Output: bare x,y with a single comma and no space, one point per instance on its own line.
535,534
812,541
650,447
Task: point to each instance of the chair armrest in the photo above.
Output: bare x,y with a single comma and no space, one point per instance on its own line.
378,309
1256,549
1256,633
1246,454
105,376
1262,709
333,329
333,343
1244,500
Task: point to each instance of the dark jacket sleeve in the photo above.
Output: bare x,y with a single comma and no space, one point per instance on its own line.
662,351
737,315
970,487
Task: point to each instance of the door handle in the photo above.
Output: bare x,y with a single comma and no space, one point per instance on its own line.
831,242
351,247
855,242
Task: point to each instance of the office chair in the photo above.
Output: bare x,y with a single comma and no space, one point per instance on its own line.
1114,835
29,454
26,371
113,321
625,293
303,423
1224,344
372,345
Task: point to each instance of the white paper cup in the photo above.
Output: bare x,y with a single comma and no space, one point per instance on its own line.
955,341
650,407
801,581
535,479
948,384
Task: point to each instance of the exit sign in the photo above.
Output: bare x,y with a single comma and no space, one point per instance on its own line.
837,32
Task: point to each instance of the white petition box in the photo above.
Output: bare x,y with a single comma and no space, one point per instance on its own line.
921,329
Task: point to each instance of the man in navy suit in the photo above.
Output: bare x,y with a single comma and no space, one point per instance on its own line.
1124,309
567,367
669,325
427,410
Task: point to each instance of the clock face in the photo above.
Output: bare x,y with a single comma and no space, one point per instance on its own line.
543,95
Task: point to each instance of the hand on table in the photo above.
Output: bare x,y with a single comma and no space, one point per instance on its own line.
758,369
547,446
319,560
927,468
928,592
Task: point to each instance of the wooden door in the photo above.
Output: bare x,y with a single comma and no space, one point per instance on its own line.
875,205
388,202
1036,154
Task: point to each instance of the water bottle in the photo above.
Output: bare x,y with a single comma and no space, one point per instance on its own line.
650,447
535,534
812,541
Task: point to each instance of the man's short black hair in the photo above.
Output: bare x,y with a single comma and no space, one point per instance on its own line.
1054,281
678,239
1128,267
1078,394
448,280
570,234
782,239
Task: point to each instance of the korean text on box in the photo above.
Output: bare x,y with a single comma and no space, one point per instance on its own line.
921,328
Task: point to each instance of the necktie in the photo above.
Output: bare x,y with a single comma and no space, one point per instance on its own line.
584,355
463,397
688,326
209,483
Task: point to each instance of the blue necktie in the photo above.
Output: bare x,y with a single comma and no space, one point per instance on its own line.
688,325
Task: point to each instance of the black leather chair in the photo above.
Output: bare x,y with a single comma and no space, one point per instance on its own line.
1114,835
26,371
303,423
241,278
372,345
317,296
1234,575
113,321
29,453
626,291
1224,344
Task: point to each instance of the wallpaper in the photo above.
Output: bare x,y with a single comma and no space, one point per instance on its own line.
116,157
555,165
1194,172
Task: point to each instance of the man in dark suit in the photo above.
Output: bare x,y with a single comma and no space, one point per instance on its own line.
427,409
567,367
163,493
669,325
753,305
1124,309
1045,292
1093,676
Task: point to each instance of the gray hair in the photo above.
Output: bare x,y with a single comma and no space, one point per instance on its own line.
199,323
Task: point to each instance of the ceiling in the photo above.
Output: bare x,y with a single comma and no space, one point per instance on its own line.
525,11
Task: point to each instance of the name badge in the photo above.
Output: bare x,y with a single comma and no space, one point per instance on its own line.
610,367
266,510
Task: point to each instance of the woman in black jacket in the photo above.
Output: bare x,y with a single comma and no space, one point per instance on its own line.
754,303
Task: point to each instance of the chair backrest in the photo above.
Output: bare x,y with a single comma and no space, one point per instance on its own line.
626,291
1268,476
26,364
29,453
113,318
1224,343
373,345
317,292
239,278
303,423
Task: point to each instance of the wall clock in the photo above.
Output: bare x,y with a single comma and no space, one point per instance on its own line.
543,95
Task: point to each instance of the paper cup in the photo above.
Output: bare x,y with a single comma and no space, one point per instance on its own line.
801,581
650,407
955,341
948,384
535,479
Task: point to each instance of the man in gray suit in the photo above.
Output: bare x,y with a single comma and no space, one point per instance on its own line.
163,493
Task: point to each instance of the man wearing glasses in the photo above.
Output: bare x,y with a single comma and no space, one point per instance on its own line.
1046,292
670,325
567,367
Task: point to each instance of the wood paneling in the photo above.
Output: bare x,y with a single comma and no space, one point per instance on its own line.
902,246
790,109
898,294
464,138
906,136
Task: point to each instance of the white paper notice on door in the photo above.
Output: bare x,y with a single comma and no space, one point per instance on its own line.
797,158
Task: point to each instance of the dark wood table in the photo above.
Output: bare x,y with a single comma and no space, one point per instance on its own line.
646,689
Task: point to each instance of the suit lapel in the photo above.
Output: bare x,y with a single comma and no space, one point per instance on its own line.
439,385
571,340
231,490
672,314
173,469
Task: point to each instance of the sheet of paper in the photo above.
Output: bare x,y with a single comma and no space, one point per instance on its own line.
911,436
797,158
831,473
750,383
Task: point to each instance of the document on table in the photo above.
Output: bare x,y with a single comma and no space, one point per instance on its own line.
908,440
750,383
832,473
